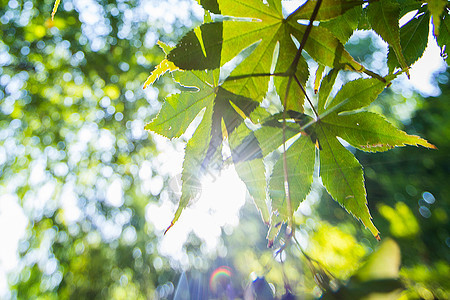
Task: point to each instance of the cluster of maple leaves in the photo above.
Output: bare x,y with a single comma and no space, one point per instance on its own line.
264,48
258,43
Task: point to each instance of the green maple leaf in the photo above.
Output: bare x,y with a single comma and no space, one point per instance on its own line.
341,173
248,162
179,110
383,16
221,107
344,25
413,40
444,37
437,8
266,26
262,28
329,9
300,158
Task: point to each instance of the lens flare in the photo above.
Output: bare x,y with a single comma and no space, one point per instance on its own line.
220,277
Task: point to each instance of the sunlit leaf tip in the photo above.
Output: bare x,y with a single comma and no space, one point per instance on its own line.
160,70
417,140
165,47
373,230
55,8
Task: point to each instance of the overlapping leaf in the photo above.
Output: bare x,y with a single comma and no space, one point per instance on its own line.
343,26
341,173
261,26
383,16
325,48
413,39
222,107
248,161
300,159
179,110
265,25
444,37
329,9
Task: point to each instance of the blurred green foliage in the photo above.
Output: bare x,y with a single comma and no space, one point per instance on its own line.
73,148
74,154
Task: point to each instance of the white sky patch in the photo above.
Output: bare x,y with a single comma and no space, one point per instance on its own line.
72,212
426,67
11,217
114,194
218,206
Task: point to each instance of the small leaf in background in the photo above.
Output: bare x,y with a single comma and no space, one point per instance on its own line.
377,278
413,39
444,37
437,8
383,16
403,223
384,263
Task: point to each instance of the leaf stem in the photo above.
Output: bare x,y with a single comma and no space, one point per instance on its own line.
307,98
293,67
291,72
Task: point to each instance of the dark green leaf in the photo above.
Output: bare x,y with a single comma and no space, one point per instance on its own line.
328,9
343,26
224,112
444,37
383,16
199,51
413,38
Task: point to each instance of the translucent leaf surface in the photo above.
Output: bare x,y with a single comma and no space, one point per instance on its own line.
342,176
326,49
179,110
300,159
341,173
383,16
413,38
343,26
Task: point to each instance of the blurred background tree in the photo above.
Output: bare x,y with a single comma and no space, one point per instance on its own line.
78,172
